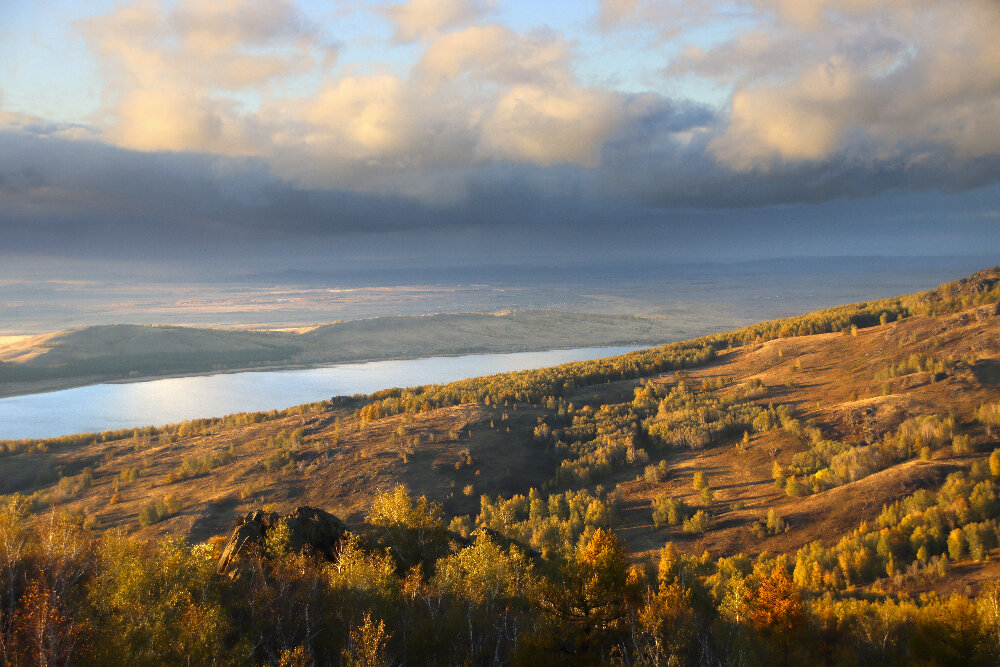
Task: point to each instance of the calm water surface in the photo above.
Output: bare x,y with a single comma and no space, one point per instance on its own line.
104,407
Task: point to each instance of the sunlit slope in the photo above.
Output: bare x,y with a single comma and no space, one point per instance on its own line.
822,431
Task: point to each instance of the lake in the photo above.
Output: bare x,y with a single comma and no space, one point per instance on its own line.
104,407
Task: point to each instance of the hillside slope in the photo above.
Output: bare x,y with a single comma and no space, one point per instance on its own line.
796,403
818,490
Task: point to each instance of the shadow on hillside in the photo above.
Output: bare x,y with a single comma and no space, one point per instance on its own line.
987,371
741,485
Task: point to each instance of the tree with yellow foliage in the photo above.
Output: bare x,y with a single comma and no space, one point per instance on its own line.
669,627
775,608
590,591
413,530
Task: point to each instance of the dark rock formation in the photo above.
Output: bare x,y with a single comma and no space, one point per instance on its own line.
308,529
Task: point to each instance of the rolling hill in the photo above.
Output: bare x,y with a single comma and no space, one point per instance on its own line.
130,351
845,447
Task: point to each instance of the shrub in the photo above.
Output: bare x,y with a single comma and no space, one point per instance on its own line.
775,523
795,488
699,481
668,511
699,522
156,512
149,515
961,445
956,544
655,473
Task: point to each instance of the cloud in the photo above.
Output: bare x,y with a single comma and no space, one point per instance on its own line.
180,77
33,125
816,79
828,99
533,124
613,13
422,19
791,125
363,115
227,44
495,54
176,119
665,19
172,72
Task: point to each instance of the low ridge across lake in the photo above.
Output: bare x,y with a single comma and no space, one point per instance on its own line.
103,407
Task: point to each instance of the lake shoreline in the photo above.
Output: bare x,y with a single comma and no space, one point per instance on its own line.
138,404
15,389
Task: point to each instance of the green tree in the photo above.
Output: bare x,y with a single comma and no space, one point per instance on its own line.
368,645
700,481
778,473
668,626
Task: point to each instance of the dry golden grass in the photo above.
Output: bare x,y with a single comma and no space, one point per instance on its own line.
834,367
828,378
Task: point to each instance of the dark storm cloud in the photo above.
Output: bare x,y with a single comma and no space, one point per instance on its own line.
49,183
662,157
64,194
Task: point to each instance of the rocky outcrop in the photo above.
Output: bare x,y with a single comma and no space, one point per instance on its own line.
309,529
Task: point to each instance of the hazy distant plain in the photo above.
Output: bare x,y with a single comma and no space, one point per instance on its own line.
695,298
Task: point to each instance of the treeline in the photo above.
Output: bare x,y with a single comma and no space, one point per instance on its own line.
169,432
537,385
979,289
551,384
594,442
695,417
914,539
407,591
828,463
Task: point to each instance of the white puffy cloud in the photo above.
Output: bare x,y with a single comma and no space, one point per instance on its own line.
891,87
228,44
421,19
362,115
179,119
541,126
179,77
493,53
816,78
171,73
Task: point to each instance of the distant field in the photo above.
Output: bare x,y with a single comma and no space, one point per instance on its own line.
692,295
304,319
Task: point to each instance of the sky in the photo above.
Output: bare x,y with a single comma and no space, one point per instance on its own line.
282,134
